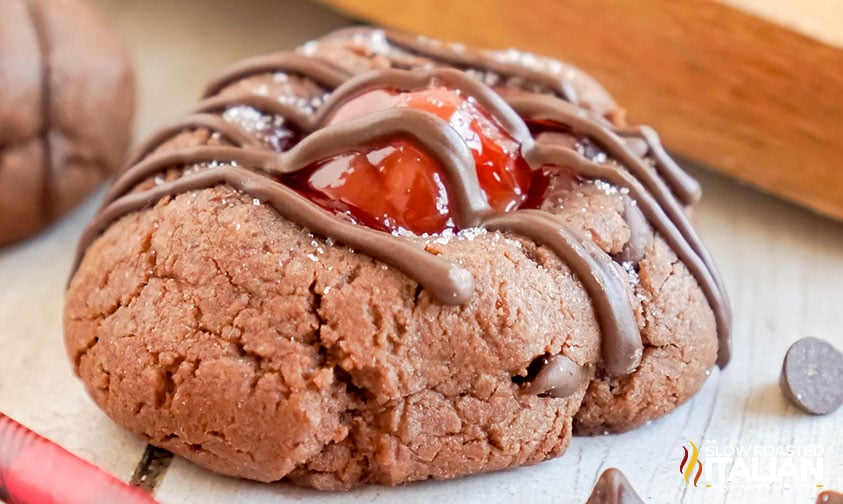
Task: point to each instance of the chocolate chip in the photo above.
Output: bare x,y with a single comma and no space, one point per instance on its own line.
612,487
812,376
830,497
557,376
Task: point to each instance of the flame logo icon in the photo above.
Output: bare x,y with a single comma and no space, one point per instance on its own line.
686,467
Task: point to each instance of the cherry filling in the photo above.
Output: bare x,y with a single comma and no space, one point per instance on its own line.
398,186
392,188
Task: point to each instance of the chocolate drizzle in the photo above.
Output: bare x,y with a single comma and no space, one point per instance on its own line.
320,71
251,167
622,347
467,58
648,190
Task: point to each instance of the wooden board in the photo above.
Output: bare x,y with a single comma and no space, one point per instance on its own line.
745,96
786,281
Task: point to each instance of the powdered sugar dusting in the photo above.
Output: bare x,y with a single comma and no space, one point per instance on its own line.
528,60
247,118
270,129
629,267
309,48
605,187
379,43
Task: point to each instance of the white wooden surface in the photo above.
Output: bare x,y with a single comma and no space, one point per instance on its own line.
783,267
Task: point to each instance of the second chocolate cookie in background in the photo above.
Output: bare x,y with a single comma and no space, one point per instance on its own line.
67,97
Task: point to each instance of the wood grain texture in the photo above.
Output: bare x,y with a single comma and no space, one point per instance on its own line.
745,96
818,19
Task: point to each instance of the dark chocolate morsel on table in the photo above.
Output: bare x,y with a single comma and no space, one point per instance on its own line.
612,487
830,497
812,376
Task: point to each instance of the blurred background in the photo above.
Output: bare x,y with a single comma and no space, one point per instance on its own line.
179,46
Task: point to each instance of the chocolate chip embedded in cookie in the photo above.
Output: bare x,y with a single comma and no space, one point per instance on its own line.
381,259
66,103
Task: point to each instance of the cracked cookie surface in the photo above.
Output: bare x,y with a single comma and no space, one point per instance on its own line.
220,330
230,336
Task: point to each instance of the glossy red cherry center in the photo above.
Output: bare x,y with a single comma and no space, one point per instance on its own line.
399,187
393,188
